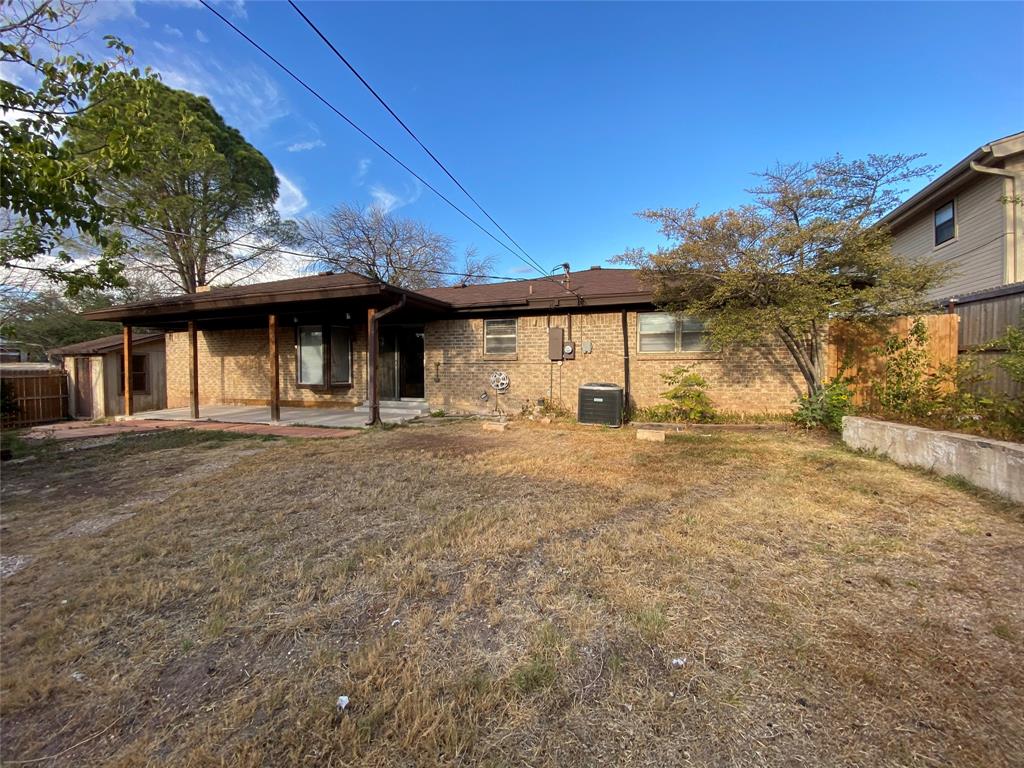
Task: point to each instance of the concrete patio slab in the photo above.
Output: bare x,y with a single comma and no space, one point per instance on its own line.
245,414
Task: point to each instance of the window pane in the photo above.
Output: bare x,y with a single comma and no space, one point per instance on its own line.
657,332
499,337
945,224
341,361
311,354
692,336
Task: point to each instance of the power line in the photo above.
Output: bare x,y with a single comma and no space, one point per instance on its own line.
238,243
409,130
376,143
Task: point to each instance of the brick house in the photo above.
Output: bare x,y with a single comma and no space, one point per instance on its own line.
310,342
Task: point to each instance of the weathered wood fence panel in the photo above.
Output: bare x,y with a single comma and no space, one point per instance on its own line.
41,397
857,348
984,317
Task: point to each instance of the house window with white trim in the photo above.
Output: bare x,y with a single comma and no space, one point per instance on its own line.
665,332
500,337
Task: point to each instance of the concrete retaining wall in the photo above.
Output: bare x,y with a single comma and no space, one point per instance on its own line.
992,464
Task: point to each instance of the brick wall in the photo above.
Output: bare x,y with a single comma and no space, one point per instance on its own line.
749,380
234,369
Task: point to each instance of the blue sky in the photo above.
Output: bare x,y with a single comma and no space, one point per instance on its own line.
564,119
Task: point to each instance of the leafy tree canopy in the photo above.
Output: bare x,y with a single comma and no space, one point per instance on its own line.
200,205
47,186
804,251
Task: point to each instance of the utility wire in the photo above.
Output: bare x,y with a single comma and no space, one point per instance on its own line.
409,130
238,243
379,146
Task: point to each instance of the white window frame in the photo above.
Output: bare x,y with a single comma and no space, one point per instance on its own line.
514,335
677,347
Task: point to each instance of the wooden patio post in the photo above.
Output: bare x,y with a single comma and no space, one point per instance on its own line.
126,335
372,395
193,369
275,383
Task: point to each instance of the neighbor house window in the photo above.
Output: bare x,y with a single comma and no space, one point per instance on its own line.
140,373
945,223
324,355
499,337
664,332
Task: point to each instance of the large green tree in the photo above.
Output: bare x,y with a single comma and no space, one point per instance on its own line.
805,251
200,206
50,189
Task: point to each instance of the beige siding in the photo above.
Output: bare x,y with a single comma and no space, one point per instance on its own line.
113,397
977,257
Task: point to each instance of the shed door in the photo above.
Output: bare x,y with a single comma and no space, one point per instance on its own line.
83,387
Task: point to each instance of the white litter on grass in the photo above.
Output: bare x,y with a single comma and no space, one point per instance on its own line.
396,622
342,703
680,662
11,564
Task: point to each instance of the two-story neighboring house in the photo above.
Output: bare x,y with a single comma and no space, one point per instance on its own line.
969,218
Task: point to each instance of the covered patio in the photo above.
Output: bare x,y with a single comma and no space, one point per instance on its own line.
323,339
254,414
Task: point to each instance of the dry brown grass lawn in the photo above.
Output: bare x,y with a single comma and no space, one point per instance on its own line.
504,600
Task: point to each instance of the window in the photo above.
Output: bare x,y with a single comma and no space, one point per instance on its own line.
341,356
499,337
664,332
324,351
140,371
945,223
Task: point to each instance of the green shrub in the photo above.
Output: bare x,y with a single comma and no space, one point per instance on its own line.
826,407
909,390
687,399
8,402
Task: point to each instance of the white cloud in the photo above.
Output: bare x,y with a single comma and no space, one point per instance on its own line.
290,200
172,31
247,97
163,47
388,201
521,270
109,10
362,168
201,37
304,146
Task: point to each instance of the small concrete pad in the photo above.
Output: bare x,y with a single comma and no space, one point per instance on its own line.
495,426
652,435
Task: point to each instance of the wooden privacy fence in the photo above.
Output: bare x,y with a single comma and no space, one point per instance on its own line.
984,318
40,396
857,346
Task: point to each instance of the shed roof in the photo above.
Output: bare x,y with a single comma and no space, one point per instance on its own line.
104,344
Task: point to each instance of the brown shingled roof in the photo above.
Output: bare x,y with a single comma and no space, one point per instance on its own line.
592,287
589,287
104,344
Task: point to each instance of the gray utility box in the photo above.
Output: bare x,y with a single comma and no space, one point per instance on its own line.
600,404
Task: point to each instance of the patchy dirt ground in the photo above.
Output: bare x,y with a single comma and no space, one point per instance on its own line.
547,596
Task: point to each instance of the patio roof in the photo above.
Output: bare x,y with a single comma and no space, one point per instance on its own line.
588,288
287,296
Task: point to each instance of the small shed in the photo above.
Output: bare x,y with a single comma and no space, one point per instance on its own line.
96,374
